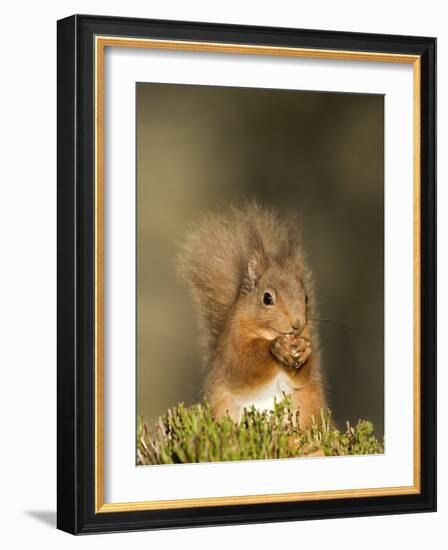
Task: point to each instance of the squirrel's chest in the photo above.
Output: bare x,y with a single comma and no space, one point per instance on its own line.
263,397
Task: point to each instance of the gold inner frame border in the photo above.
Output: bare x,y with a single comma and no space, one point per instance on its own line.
100,44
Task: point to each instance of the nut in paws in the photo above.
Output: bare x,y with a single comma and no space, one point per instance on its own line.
292,350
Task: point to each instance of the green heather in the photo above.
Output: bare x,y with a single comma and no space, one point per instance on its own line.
191,434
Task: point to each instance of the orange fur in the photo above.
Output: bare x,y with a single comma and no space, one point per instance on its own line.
231,261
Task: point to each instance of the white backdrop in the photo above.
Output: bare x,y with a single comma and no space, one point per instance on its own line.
123,481
28,270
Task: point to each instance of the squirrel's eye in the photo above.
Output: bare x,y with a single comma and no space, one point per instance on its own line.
268,300
306,298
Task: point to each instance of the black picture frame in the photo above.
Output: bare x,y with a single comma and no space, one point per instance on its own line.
76,286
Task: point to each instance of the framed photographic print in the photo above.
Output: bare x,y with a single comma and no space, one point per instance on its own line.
246,274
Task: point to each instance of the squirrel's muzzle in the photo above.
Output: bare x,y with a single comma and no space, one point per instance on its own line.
298,323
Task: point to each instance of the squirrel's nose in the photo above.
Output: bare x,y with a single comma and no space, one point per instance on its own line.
297,323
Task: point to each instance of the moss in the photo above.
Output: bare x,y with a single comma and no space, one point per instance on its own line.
191,434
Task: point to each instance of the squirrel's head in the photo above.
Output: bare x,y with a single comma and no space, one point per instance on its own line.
274,298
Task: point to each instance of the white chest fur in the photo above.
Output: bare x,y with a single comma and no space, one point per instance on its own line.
263,398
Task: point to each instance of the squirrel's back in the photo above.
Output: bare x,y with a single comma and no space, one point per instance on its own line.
215,257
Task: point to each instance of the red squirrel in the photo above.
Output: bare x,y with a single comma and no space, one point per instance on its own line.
255,301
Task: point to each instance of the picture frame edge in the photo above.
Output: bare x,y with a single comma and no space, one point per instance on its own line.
75,249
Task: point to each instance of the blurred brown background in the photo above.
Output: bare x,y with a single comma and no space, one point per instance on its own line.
319,154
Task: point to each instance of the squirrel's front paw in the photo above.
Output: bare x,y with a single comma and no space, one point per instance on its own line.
291,350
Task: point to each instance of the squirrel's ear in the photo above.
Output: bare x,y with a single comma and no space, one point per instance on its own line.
255,268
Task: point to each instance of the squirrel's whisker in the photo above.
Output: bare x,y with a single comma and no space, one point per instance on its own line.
334,321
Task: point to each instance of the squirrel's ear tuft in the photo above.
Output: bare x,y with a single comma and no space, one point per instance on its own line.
254,270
